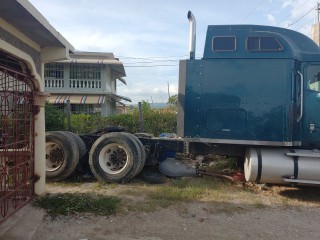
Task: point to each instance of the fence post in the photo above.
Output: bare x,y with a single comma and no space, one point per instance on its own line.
140,117
69,114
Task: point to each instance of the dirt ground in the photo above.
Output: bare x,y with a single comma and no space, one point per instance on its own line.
201,221
231,219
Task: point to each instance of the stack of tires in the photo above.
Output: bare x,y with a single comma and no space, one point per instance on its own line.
113,157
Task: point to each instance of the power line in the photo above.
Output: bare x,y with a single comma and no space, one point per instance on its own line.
292,11
155,57
151,58
164,65
260,4
155,61
289,25
301,26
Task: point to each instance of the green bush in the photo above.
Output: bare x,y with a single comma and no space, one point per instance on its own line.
85,123
54,118
155,122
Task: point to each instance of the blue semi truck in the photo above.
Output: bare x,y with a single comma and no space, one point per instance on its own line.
255,94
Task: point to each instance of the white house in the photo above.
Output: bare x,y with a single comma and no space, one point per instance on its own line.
88,80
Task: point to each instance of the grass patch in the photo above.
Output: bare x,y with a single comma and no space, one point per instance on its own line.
103,185
187,190
66,183
171,193
139,196
70,203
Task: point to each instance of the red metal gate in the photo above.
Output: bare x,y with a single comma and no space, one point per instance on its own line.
16,140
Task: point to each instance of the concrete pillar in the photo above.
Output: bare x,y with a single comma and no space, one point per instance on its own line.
315,33
39,152
39,138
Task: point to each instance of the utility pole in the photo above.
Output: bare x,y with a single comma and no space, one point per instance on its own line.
168,90
316,26
318,10
140,117
69,115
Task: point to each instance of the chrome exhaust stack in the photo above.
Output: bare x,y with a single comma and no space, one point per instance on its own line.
192,35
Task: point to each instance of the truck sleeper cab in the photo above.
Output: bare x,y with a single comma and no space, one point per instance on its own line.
255,93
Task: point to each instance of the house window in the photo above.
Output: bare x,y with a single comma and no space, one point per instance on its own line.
263,44
53,70
224,44
85,71
82,108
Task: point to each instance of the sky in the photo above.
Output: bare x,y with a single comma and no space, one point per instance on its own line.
150,36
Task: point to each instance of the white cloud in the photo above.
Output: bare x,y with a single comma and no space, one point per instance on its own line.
271,19
287,3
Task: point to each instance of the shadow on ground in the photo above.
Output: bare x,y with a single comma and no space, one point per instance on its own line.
306,194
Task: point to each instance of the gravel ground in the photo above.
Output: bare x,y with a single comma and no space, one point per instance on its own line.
194,221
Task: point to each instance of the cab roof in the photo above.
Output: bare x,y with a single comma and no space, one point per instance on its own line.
294,45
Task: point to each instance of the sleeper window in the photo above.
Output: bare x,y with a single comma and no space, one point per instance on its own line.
263,44
224,44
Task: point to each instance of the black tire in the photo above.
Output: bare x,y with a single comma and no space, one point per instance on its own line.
142,151
62,156
80,143
115,157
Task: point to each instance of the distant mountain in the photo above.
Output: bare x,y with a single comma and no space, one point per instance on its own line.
158,105
153,105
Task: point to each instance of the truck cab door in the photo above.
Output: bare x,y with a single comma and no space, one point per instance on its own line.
310,122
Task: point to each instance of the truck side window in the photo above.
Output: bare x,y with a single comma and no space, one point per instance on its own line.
263,44
223,44
313,76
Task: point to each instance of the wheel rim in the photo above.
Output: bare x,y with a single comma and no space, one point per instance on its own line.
54,156
113,158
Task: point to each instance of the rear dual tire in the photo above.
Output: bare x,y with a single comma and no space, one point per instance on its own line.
62,155
116,157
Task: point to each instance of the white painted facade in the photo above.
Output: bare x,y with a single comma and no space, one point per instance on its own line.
88,80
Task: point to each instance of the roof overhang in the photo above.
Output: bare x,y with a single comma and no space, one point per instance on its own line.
62,98
23,16
114,63
122,80
118,98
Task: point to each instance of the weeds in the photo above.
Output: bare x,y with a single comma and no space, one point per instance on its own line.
70,203
222,197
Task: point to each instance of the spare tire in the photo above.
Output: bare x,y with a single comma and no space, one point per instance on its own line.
115,157
62,156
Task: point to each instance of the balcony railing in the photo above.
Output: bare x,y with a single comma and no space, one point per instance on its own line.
73,84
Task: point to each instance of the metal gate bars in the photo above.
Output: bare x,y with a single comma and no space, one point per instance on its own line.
16,141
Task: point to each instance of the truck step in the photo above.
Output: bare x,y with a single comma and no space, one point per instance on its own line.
305,153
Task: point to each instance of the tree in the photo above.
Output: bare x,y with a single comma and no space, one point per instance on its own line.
173,100
145,106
